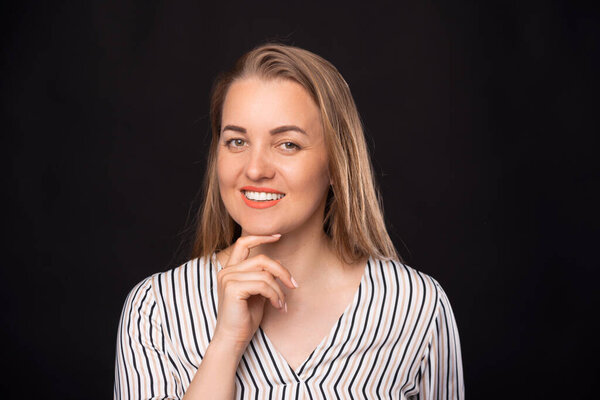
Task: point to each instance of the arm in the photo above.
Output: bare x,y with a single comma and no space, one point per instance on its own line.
215,378
244,284
441,373
142,369
143,364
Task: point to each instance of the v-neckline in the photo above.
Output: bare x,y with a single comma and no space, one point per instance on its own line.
302,370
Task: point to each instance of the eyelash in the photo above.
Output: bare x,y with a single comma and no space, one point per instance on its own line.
229,143
295,146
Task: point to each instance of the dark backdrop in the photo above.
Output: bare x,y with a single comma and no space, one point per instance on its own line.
480,118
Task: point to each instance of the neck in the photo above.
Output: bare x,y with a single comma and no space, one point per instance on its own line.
304,254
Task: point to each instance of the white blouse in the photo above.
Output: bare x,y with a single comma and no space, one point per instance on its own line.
396,340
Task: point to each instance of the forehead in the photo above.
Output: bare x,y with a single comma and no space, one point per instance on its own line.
261,103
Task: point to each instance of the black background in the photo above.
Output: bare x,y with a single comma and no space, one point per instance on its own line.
481,119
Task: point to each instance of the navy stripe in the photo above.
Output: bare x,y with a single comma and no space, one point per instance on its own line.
139,326
129,299
408,312
212,289
131,347
266,346
201,302
345,342
262,370
241,384
174,364
305,362
362,334
412,333
251,377
191,314
439,356
366,350
160,362
176,307
387,336
447,354
314,369
164,307
426,330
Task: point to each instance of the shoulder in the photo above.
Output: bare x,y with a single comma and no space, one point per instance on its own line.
408,277
411,288
139,295
158,285
194,268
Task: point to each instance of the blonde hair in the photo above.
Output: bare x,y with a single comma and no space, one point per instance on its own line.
353,214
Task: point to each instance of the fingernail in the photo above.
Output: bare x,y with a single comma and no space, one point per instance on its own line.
285,306
277,235
280,304
294,281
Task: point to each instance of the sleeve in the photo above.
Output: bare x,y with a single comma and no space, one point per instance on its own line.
142,363
441,372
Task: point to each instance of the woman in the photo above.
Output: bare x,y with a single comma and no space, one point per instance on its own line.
294,289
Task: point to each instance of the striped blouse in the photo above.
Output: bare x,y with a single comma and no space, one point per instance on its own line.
396,340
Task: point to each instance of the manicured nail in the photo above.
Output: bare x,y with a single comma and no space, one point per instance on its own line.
280,304
294,281
285,306
277,235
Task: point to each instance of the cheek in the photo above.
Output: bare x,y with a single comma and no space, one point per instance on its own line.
220,169
224,170
311,178
225,180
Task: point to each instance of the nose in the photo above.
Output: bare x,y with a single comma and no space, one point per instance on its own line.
259,165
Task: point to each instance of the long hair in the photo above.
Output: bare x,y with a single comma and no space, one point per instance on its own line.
353,214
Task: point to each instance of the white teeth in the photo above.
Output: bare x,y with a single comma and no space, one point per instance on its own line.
262,196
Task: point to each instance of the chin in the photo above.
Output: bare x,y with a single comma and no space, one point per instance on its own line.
260,230
260,227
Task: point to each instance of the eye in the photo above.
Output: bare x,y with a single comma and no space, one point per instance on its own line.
289,146
235,144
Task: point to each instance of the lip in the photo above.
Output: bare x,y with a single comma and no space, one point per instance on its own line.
261,189
259,204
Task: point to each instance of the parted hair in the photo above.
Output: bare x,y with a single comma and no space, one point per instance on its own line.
354,214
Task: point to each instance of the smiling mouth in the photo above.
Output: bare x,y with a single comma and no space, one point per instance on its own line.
262,196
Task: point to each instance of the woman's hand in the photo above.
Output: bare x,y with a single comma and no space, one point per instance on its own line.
244,284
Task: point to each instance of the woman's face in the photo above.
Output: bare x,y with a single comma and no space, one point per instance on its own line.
271,161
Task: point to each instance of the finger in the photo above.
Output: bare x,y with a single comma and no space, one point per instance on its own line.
264,263
256,276
242,246
244,289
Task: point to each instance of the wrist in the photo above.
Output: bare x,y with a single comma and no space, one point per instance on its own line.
227,347
215,377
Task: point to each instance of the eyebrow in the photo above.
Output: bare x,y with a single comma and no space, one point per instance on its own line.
274,131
